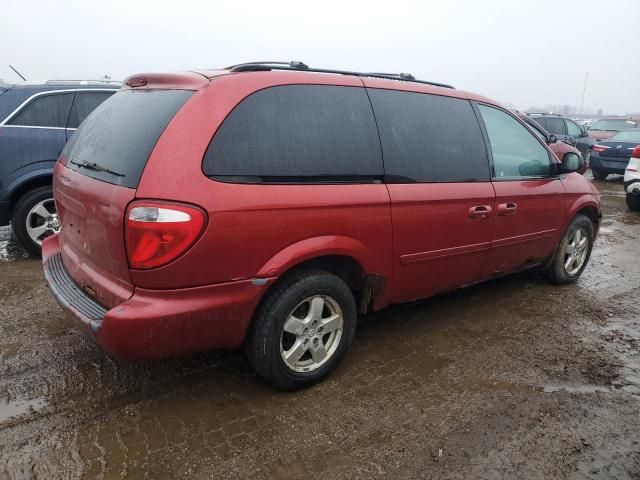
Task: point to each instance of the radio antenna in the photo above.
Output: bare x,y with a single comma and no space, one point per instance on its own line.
17,73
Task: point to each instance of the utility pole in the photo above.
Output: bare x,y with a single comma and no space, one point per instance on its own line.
584,90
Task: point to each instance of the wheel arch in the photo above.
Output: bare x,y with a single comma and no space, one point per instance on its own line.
345,257
26,185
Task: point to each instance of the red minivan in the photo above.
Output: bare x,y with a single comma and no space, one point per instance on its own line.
267,205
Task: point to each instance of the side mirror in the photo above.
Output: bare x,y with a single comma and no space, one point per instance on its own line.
552,138
572,162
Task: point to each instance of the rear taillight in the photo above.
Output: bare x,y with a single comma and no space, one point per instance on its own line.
600,148
636,152
157,233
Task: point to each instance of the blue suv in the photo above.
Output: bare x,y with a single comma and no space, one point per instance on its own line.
35,123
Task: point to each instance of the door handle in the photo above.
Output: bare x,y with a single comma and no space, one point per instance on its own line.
480,211
508,208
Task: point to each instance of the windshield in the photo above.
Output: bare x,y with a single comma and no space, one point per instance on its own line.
612,125
629,136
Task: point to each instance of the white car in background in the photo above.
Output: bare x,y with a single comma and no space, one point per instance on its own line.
632,180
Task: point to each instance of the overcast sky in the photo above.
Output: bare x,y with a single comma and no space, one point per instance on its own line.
524,53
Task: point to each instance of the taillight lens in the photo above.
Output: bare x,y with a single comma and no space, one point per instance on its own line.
157,233
600,148
636,152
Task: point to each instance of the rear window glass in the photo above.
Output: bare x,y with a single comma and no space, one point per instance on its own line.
429,138
612,125
555,126
121,132
629,136
45,111
297,133
84,104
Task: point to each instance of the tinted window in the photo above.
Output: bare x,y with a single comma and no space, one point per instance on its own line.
429,138
537,129
573,129
84,104
541,121
555,126
121,133
45,111
632,136
612,125
297,131
515,150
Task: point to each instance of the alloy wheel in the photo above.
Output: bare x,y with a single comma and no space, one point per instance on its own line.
42,221
576,251
311,333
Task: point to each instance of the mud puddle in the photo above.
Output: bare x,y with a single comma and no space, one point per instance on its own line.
19,407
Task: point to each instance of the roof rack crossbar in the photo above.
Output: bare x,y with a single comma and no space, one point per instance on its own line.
299,66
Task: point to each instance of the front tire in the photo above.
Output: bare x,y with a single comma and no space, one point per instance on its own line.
573,252
633,202
34,218
302,329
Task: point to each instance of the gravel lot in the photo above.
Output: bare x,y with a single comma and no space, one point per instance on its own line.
511,379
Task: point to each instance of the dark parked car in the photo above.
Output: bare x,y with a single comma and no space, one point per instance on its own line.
566,130
605,128
559,147
267,205
35,123
612,155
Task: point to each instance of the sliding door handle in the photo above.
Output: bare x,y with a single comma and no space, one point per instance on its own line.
480,211
508,208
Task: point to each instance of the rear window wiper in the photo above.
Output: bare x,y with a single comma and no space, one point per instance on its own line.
95,166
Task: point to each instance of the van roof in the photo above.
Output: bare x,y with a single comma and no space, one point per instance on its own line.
196,79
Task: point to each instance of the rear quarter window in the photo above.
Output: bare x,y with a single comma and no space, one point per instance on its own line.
429,138
121,133
50,110
297,133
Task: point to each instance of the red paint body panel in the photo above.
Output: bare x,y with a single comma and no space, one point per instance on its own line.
92,216
161,323
421,239
437,246
529,235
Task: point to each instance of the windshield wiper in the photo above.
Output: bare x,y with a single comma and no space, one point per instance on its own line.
96,167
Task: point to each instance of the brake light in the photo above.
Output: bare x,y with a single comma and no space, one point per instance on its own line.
136,81
157,233
636,152
600,148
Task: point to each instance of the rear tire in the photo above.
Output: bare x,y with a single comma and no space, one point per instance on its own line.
572,253
633,202
31,217
302,329
599,175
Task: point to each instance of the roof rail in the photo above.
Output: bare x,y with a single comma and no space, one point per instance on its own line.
81,82
544,113
299,66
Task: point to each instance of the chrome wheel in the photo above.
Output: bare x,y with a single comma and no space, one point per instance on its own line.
311,333
42,221
576,251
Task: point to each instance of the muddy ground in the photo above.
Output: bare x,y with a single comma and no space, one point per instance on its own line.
511,379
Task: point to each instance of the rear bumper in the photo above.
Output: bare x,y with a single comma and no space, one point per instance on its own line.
608,165
157,323
5,213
